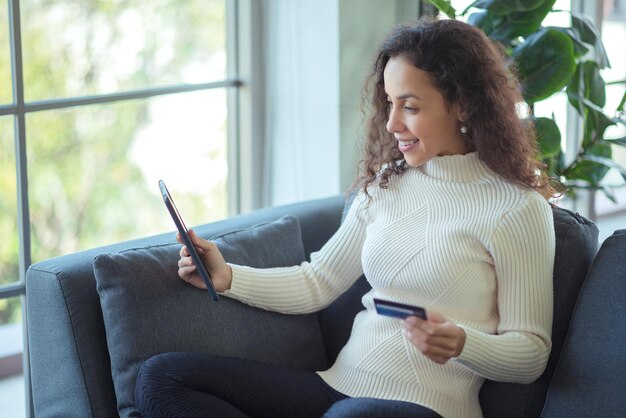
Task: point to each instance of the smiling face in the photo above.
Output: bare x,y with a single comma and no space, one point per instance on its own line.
418,118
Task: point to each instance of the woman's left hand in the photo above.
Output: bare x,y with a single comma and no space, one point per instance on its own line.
437,338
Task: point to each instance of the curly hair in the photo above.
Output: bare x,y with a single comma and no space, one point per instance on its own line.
468,69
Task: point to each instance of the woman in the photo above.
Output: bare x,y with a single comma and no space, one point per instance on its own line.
451,215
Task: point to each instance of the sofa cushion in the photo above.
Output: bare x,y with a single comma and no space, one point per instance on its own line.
147,309
590,379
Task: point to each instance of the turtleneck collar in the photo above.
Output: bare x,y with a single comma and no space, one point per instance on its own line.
459,167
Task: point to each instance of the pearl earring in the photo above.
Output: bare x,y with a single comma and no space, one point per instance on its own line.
463,129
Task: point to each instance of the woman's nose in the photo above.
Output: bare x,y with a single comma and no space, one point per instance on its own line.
394,124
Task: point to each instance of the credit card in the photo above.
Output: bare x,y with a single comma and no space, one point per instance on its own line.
398,310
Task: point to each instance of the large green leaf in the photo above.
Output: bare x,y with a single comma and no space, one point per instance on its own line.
444,6
587,83
590,34
548,137
620,107
596,123
576,90
594,84
481,20
581,48
588,167
508,6
506,27
606,162
551,167
496,27
532,17
546,63
617,141
595,120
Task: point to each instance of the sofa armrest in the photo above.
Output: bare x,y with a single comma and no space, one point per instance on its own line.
590,378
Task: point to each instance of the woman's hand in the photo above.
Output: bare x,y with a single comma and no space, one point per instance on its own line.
437,338
220,272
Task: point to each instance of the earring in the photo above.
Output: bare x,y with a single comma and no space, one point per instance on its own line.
463,129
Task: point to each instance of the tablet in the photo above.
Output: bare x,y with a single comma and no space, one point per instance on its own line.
182,229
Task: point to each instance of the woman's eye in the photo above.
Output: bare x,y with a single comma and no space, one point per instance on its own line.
410,109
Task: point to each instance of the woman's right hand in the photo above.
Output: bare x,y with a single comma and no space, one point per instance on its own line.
220,272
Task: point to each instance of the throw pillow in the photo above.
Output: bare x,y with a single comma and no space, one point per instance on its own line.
148,310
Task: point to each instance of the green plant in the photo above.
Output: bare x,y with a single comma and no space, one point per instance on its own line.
550,60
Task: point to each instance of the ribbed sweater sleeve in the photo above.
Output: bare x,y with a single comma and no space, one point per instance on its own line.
522,248
313,285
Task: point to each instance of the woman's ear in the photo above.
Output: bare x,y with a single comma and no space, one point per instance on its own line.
455,110
461,115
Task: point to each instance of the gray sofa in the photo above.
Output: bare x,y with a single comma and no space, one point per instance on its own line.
94,316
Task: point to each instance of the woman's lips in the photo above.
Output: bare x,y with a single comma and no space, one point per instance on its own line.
406,146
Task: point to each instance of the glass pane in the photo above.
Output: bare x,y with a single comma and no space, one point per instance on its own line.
9,268
12,397
613,35
82,48
94,171
611,214
614,93
555,107
6,92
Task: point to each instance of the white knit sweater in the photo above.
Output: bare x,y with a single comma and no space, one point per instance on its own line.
450,236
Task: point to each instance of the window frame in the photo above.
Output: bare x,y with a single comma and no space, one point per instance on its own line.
242,39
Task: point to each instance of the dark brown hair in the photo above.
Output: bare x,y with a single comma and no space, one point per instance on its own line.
472,71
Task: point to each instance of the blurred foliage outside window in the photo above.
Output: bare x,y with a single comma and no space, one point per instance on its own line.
93,170
6,89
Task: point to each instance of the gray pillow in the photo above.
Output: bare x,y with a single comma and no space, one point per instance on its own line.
148,310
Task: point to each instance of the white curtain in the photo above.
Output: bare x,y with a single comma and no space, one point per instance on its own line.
302,100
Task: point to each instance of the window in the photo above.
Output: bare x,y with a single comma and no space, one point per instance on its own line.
105,47
93,170
99,100
612,215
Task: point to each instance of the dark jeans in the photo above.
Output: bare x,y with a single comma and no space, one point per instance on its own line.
198,385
